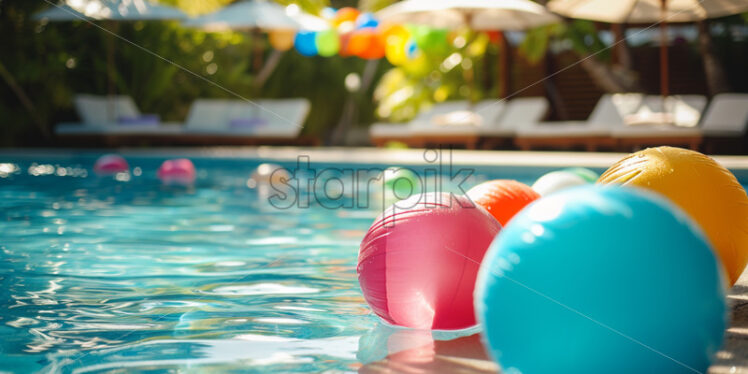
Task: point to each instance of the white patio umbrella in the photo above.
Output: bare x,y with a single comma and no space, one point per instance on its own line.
110,11
649,11
305,20
246,15
506,15
485,15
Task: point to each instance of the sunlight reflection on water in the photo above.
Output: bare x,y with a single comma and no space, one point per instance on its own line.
98,273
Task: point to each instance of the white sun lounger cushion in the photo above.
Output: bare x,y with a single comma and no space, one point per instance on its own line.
727,115
104,111
607,115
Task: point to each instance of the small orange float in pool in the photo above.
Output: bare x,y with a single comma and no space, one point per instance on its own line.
503,198
708,192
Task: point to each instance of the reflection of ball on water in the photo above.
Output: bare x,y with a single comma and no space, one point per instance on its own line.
177,171
403,345
602,280
502,198
111,164
392,185
556,181
708,192
417,266
401,183
268,174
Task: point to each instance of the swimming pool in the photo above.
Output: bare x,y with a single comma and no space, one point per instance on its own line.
104,273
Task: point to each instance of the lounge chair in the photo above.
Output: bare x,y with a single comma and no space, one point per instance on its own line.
725,120
382,133
519,113
674,122
457,123
727,116
591,134
111,117
268,121
490,121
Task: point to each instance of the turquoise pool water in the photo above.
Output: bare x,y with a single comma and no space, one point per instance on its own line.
105,274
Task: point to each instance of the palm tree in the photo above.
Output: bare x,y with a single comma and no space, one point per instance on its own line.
616,77
594,55
715,72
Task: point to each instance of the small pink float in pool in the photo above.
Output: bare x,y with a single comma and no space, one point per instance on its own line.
111,164
177,171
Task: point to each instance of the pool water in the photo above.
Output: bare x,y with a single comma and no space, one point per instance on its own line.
102,274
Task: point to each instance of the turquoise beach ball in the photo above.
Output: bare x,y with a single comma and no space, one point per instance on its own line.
602,280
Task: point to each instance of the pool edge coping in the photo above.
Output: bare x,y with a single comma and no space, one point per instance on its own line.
371,155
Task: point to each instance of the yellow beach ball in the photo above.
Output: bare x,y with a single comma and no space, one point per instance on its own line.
707,191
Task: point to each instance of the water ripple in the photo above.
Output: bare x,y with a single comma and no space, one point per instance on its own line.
107,274
99,274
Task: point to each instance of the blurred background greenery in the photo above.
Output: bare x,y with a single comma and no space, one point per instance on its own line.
43,64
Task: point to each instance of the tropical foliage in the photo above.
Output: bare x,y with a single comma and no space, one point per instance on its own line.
44,64
49,62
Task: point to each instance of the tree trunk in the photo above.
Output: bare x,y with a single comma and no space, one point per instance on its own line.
715,73
621,51
608,78
611,79
24,99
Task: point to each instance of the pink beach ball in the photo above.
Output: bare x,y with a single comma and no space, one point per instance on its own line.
111,164
418,262
177,171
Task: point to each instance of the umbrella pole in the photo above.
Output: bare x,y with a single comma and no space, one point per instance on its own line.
503,66
110,72
350,110
267,69
664,76
258,50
